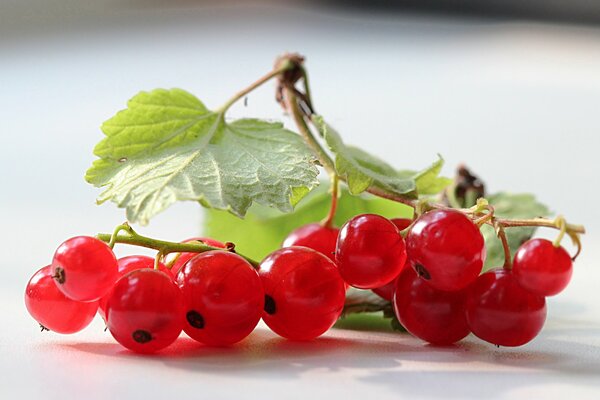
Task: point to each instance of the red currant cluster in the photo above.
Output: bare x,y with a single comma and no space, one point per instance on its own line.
434,279
217,297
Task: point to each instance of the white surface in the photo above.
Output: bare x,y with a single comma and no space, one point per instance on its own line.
518,102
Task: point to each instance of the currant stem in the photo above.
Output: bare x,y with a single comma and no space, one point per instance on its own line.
123,227
507,255
541,222
335,183
158,259
309,138
282,67
562,225
162,246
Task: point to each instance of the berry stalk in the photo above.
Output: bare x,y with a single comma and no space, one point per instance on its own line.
162,246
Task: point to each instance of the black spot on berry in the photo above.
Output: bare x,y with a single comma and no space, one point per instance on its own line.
422,272
142,336
270,306
195,319
59,275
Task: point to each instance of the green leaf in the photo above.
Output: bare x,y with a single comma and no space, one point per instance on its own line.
513,206
362,170
167,146
364,310
263,229
428,180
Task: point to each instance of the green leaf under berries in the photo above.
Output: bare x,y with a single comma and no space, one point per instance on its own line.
513,206
167,146
360,301
272,226
362,170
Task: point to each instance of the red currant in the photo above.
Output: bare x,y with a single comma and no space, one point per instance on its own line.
501,312
84,268
387,291
436,316
316,237
52,309
185,257
542,268
446,249
304,294
145,311
223,297
401,223
370,251
126,265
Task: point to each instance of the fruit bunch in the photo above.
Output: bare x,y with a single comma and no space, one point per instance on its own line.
168,146
217,297
213,294
433,275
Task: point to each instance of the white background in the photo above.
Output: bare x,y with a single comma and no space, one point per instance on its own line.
517,101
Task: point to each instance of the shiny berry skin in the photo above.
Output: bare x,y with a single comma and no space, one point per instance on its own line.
304,294
52,309
370,251
126,265
433,315
316,237
387,291
84,268
446,249
185,257
223,297
145,311
501,312
401,223
542,268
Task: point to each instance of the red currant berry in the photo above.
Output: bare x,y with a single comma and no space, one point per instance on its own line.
542,268
370,251
304,294
501,312
316,237
52,309
430,314
84,268
446,249
185,257
126,265
387,291
223,297
145,311
401,223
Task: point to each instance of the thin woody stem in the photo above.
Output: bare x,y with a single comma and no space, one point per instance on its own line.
284,66
328,221
507,255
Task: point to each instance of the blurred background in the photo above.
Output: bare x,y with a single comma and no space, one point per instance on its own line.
511,88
